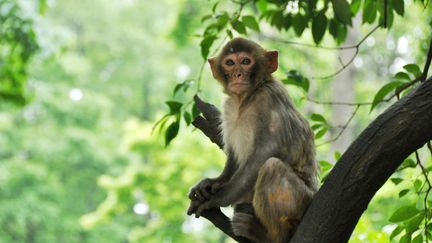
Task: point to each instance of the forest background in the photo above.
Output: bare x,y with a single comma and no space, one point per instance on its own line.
83,83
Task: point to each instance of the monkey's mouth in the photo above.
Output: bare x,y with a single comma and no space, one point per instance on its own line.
238,84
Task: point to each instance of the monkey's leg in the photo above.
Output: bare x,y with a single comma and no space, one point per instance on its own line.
245,223
280,199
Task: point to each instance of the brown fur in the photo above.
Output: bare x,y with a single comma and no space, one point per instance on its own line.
271,164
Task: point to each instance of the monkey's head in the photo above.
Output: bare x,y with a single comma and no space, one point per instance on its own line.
243,65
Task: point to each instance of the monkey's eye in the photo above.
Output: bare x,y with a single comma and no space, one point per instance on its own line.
246,61
229,62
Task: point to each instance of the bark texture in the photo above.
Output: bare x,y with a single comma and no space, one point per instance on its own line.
361,171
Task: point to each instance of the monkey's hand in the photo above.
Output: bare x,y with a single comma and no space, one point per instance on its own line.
204,190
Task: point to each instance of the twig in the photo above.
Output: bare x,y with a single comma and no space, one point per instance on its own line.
336,102
428,62
343,127
425,174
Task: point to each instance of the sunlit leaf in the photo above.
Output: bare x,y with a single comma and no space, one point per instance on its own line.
321,132
239,27
413,69
355,6
403,213
318,118
396,232
385,90
206,43
418,239
251,22
402,76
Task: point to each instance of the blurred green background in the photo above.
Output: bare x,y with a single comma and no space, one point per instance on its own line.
85,83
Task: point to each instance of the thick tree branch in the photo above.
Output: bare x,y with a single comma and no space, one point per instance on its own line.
365,166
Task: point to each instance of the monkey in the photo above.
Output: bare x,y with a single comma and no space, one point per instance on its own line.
270,175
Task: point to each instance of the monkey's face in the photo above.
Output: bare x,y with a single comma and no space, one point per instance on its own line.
237,68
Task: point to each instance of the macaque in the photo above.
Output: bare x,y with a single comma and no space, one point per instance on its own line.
271,174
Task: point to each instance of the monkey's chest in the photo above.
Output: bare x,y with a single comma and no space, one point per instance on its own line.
239,136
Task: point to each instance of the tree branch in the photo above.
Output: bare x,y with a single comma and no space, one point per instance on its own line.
365,167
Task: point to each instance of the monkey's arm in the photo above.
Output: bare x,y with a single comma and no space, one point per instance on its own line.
241,182
208,186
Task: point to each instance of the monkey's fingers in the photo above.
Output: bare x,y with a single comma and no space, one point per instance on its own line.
209,111
193,207
200,194
201,208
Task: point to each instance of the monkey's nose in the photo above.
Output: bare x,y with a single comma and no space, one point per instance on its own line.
237,75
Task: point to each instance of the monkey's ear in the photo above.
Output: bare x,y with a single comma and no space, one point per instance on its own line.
272,58
214,68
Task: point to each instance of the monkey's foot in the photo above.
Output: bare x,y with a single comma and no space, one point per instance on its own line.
248,226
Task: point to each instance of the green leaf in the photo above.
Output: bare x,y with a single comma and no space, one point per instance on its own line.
187,117
337,155
325,165
215,6
403,213
342,11
413,69
239,27
222,20
206,43
355,6
296,78
299,23
409,163
251,22
277,20
402,76
316,126
398,6
369,11
174,106
261,5
396,180
195,112
418,239
319,26
418,184
287,21
171,132
333,28
206,17
342,34
413,224
321,132
386,89
396,232
230,34
318,118
403,192
405,239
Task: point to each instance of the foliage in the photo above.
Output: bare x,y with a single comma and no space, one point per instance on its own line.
79,164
